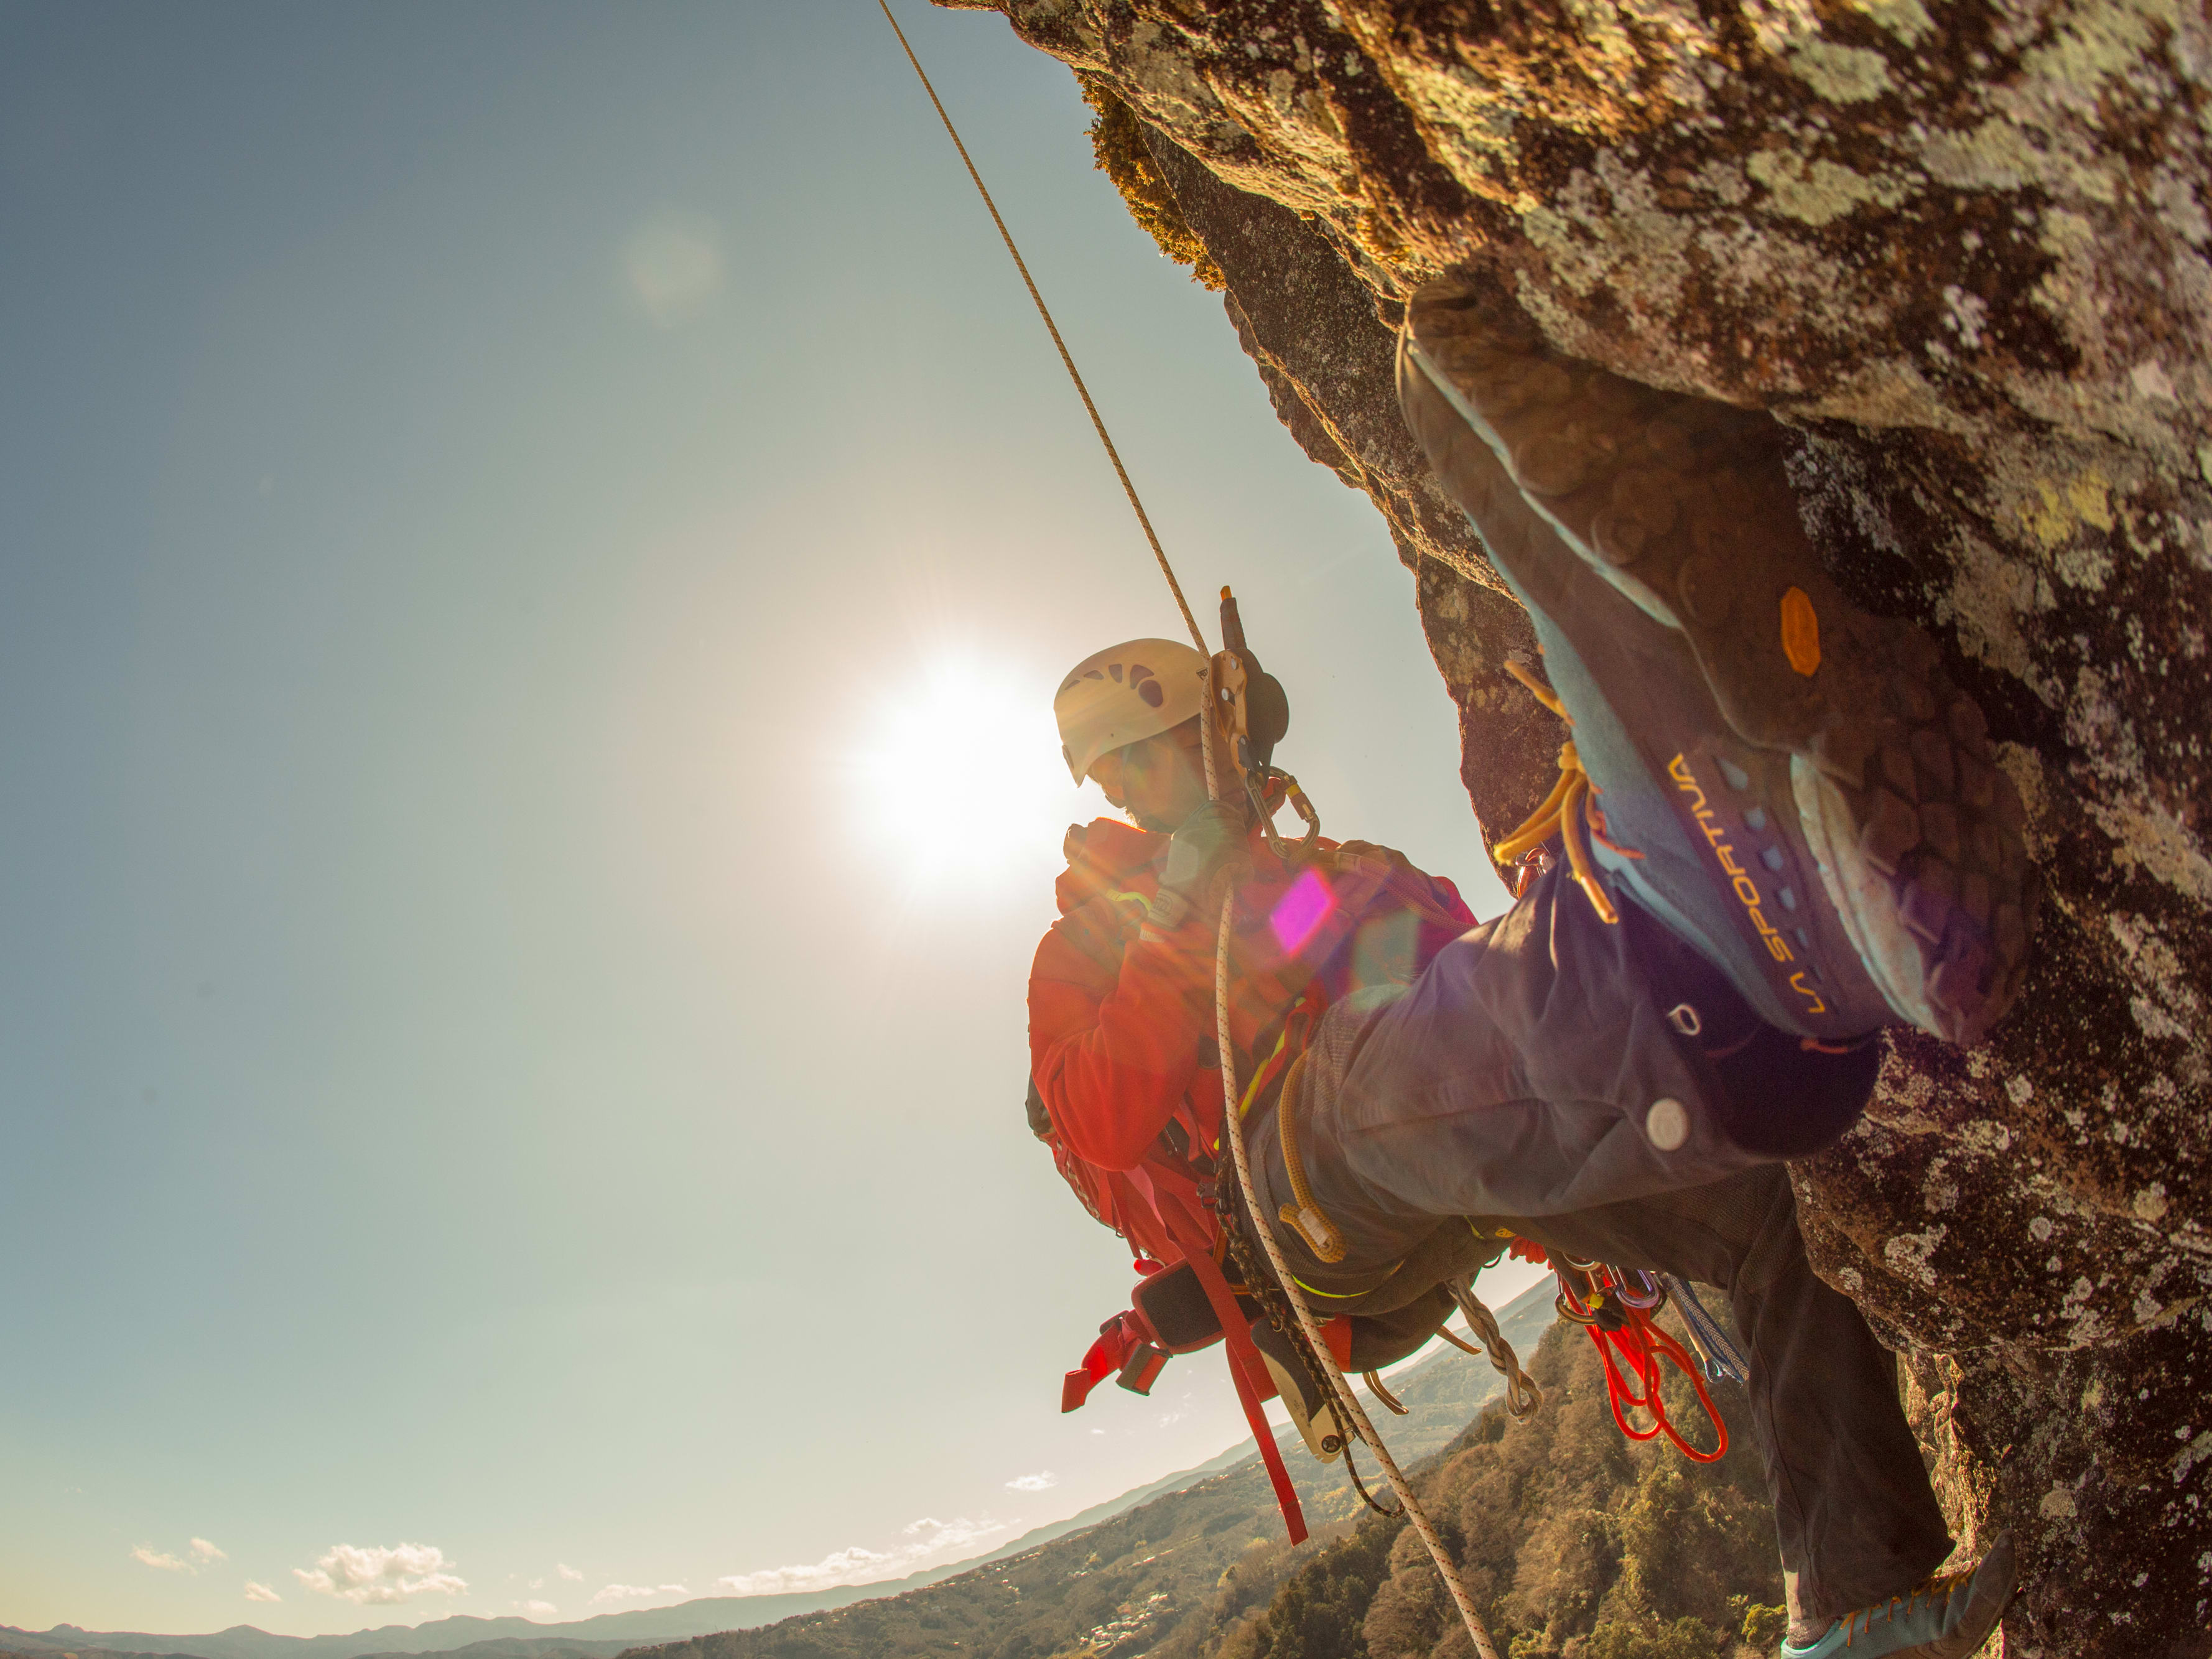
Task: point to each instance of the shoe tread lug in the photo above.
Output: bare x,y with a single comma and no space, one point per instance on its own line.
1933,752
1553,460
1896,772
1648,496
1914,702
1964,719
1892,830
1620,537
1939,826
1931,900
1974,897
2009,810
1977,781
1841,750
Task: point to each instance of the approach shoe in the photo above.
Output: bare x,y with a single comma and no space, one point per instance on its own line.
1946,1618
1789,784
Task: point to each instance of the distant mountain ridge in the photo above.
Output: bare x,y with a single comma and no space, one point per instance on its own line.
1442,1391
465,1636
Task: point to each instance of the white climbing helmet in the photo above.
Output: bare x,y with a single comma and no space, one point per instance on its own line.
1126,694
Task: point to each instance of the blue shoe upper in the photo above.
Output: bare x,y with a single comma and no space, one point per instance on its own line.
1951,1614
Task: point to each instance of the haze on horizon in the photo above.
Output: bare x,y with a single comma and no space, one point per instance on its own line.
536,542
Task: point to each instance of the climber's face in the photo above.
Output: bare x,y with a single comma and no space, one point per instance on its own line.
1160,782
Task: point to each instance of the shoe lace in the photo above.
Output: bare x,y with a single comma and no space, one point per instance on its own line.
1570,811
1939,1585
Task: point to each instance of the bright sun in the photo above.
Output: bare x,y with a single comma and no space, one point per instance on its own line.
959,770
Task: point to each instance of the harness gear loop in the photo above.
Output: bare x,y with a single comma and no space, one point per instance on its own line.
1621,1327
1374,1382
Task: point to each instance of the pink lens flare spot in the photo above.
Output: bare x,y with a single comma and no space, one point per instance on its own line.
1301,911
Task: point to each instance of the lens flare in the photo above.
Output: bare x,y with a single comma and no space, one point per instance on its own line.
1301,911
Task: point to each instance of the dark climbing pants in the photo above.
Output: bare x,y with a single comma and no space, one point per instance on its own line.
1855,1516
1553,1067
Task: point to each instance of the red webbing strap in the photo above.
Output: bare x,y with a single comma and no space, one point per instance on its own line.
1246,1368
1118,1338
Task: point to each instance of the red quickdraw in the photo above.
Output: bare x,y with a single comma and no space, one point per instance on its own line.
1619,1322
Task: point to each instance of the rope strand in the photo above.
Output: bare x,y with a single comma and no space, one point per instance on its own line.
1347,1403
1052,328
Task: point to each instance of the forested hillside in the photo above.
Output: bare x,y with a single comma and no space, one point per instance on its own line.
1574,1541
1569,1531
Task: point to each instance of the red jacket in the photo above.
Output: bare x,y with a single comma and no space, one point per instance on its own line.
1121,1029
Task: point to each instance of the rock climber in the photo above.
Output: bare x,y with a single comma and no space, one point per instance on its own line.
1779,828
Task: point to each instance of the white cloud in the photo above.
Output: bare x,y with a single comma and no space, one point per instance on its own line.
153,1558
260,1592
204,1551
381,1574
567,1571
1037,1482
537,1609
673,261
930,1537
634,1592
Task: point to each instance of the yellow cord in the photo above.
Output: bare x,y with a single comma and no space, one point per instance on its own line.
1569,811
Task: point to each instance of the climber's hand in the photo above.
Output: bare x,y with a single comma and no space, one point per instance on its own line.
1390,855
1211,842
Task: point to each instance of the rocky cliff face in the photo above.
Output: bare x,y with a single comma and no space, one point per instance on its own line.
1960,249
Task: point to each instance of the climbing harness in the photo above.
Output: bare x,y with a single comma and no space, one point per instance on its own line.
1229,716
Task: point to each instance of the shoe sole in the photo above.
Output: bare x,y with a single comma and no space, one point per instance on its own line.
1987,1597
1681,507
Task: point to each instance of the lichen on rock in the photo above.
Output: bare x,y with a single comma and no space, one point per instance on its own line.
1962,249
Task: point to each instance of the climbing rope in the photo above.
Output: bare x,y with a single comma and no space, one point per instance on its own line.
1347,1403
1348,1408
1066,357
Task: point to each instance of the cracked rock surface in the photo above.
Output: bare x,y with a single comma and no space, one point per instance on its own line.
1961,251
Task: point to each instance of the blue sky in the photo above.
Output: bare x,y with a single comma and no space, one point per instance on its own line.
535,546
